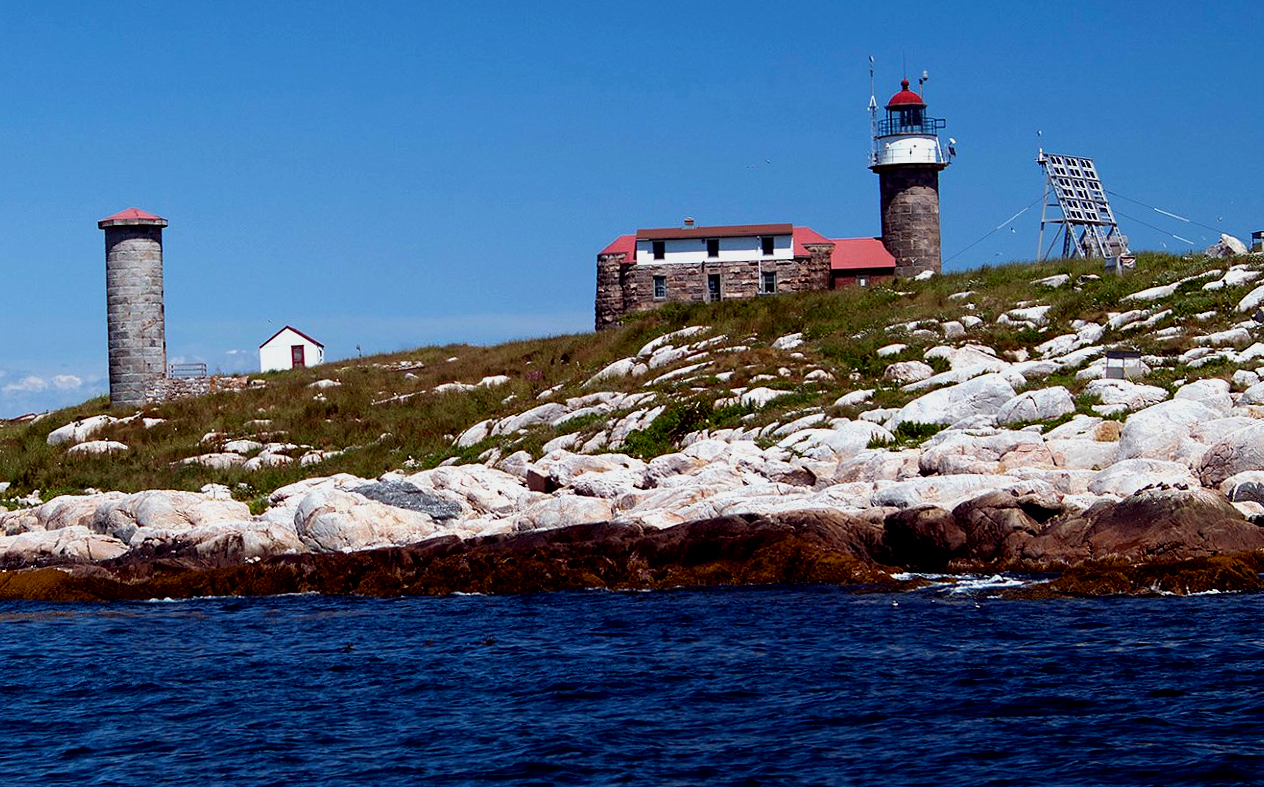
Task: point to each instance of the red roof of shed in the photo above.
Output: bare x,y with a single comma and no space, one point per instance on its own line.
905,97
854,253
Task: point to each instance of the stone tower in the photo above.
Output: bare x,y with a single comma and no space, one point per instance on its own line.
908,158
134,310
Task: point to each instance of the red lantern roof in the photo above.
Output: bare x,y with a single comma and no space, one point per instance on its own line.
905,98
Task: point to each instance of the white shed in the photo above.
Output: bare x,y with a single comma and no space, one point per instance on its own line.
290,348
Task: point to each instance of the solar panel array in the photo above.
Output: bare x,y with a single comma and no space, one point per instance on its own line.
1088,221
1079,191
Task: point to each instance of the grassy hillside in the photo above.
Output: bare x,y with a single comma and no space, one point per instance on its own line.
385,414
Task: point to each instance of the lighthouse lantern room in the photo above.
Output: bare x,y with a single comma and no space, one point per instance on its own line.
907,157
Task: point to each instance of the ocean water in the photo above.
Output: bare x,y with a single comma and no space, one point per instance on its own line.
768,686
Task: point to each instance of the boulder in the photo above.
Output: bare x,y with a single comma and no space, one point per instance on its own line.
1246,486
563,511
96,448
953,452
1076,453
1251,301
1128,476
1044,404
1125,393
1237,452
402,494
945,491
332,520
998,524
855,398
1227,246
165,510
1156,524
983,395
1165,431
78,431
1212,393
844,441
76,544
221,461
903,372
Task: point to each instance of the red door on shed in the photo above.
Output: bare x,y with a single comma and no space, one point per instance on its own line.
296,356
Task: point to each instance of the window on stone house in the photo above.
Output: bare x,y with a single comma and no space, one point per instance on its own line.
767,282
767,245
660,288
713,247
660,249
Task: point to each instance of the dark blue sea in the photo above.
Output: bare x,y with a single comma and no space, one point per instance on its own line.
772,686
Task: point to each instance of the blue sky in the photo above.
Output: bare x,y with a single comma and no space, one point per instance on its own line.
394,174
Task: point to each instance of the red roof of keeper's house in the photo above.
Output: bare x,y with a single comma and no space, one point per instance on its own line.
848,254
624,244
804,236
131,216
905,97
731,231
855,253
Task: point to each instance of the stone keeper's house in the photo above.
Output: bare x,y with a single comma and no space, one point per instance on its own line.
655,266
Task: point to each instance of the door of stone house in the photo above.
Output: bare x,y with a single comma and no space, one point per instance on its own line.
297,359
713,287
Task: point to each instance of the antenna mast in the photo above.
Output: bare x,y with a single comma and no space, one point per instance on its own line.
873,118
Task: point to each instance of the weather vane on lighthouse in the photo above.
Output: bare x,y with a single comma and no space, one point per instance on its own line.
908,157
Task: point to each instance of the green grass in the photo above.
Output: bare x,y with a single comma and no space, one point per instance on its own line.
378,432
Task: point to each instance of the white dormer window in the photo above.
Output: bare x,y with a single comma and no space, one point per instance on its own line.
713,248
767,245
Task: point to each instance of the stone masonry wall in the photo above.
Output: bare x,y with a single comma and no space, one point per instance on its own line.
134,312
609,289
166,389
910,218
624,288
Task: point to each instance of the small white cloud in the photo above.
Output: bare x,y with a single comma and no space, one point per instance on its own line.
233,352
66,382
29,384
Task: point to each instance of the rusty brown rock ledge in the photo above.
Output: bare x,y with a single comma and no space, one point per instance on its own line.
1158,540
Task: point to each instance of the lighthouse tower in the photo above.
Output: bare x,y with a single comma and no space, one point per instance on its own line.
907,157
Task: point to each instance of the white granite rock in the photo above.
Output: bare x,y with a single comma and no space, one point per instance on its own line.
96,448
788,342
1165,431
834,445
330,520
983,395
855,398
1044,404
953,452
1237,452
1211,392
554,512
903,372
81,430
1251,301
1130,475
218,461
1125,393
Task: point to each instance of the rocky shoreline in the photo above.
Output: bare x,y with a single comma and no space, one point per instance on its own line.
1160,540
989,464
